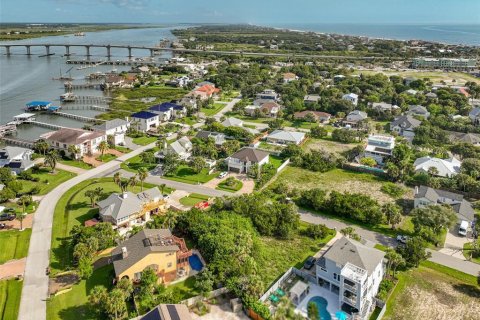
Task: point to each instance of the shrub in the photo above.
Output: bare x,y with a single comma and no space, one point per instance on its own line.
385,287
317,231
393,190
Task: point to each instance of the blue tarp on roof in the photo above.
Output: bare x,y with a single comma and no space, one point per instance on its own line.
166,106
53,108
144,115
38,103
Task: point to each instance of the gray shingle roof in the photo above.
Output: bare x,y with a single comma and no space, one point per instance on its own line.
406,122
292,136
110,124
232,122
251,154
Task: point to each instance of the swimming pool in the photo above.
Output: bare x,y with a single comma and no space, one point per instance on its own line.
322,307
195,262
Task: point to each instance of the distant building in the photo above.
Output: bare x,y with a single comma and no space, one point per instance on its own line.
286,137
267,95
289,77
218,137
234,122
16,159
419,111
86,141
242,160
445,168
167,111
444,63
379,147
411,92
405,126
352,97
317,115
205,91
470,138
474,115
384,107
116,128
268,109
145,121
355,118
311,99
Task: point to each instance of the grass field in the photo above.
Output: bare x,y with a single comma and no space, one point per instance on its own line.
217,106
14,244
72,209
327,145
10,293
435,76
74,303
277,256
143,141
193,199
337,179
434,292
466,253
233,188
48,181
106,157
135,163
186,174
76,163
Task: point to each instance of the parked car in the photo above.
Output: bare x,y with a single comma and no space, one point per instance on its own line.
7,216
222,175
463,228
309,263
402,239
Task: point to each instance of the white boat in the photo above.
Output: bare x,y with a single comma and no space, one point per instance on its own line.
68,97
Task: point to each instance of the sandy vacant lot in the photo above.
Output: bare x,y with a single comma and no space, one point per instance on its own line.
432,295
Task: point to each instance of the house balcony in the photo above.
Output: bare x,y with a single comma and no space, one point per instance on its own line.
350,300
350,288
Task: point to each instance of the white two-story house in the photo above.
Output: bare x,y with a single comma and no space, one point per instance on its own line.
145,120
379,148
243,159
86,142
352,271
117,128
16,159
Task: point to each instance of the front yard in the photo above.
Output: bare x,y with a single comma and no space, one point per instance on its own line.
106,157
14,244
192,199
213,109
144,140
10,293
232,186
186,174
47,180
76,163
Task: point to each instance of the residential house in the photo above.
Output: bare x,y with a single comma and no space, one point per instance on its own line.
445,167
470,138
379,147
355,118
168,312
128,209
117,128
352,97
286,137
145,121
474,115
181,147
218,137
405,126
311,99
205,91
426,196
168,111
409,80
289,77
353,271
86,141
268,109
383,107
338,78
114,80
431,95
234,122
268,94
318,116
242,160
419,111
411,92
158,249
179,81
16,159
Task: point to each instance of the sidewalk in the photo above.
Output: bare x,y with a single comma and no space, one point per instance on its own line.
72,169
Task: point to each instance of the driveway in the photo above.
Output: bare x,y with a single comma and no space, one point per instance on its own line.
228,107
72,169
248,184
454,244
12,268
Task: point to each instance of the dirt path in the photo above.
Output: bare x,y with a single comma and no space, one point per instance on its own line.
12,268
15,224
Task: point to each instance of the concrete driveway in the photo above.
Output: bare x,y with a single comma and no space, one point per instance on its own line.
248,184
454,244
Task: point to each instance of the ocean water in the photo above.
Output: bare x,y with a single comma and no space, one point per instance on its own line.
448,33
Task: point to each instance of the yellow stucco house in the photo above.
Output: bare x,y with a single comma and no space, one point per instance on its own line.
154,248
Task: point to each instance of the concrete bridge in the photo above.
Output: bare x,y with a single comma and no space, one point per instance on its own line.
153,50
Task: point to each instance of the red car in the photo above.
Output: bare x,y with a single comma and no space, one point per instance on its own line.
202,205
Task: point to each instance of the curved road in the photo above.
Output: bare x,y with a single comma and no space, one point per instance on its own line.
35,284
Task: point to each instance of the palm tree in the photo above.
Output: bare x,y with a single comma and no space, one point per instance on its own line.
432,171
74,150
51,159
117,178
103,146
170,219
132,181
162,188
142,175
23,200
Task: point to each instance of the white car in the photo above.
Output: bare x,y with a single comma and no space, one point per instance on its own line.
222,175
402,239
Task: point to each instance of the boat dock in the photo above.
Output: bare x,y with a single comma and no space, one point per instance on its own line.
89,99
7,129
71,86
77,117
46,125
19,142
111,62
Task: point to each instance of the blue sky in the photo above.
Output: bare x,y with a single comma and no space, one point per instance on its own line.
260,12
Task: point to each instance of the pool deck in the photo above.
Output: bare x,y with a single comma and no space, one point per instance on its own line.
317,291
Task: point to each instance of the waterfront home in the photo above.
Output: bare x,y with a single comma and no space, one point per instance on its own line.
286,137
217,137
145,121
446,168
352,97
117,128
243,159
352,271
168,312
405,126
474,115
181,147
419,111
289,77
426,196
16,159
379,148
317,116
158,249
311,99
86,141
168,111
355,118
126,209
114,80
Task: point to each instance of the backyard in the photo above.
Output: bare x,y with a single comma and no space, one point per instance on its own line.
76,163
327,144
14,244
187,175
193,199
10,293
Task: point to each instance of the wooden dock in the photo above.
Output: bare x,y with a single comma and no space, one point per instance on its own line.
46,125
7,129
77,117
71,86
85,107
90,99
111,62
19,142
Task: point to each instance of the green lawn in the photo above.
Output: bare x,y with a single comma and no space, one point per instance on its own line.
193,199
135,163
214,109
468,246
276,256
233,188
74,303
122,149
106,157
72,209
276,161
14,244
48,181
186,174
143,141
76,163
10,293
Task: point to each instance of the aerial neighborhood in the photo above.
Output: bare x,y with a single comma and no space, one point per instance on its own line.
247,186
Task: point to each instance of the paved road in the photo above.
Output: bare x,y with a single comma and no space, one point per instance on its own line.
229,106
35,285
437,257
